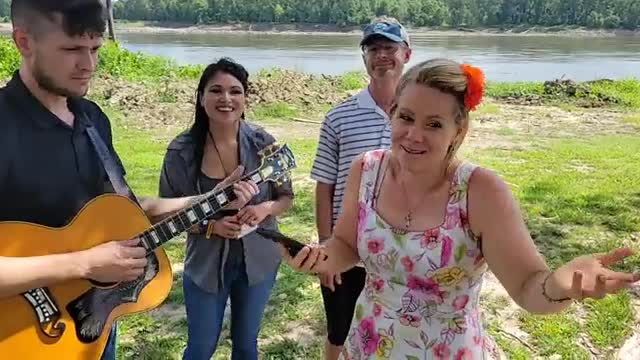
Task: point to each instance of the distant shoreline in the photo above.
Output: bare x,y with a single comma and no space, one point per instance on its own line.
139,27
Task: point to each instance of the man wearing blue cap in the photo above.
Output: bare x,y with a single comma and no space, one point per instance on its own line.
359,124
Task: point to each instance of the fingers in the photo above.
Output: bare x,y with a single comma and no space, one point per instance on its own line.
235,176
285,254
305,259
310,261
231,228
133,274
608,282
137,263
600,289
615,256
134,252
620,276
246,215
338,279
130,243
576,286
327,281
247,188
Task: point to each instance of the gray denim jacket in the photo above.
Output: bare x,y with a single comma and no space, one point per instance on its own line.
205,258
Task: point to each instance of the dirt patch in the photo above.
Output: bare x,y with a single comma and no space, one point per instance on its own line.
169,105
502,129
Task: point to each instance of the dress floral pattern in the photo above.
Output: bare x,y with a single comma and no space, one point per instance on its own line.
421,298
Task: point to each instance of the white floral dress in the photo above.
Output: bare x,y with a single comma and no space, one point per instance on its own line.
421,298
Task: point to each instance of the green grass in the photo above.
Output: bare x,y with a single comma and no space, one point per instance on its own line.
516,89
633,120
609,320
628,91
488,108
352,80
555,335
277,110
624,93
578,196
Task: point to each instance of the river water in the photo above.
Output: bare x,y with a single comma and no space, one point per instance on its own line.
504,58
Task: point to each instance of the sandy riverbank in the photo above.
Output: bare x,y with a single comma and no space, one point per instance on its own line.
328,29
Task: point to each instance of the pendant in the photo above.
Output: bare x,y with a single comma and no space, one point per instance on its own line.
397,231
407,221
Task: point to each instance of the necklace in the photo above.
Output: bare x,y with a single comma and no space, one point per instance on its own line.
409,217
226,173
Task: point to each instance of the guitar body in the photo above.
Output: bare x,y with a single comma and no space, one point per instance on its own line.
83,310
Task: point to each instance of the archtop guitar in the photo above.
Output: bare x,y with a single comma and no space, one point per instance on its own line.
72,320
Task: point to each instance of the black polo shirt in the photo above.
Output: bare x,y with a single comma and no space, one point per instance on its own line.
48,170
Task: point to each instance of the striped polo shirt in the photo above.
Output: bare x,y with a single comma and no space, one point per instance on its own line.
351,128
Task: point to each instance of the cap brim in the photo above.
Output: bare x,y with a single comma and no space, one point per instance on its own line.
381,34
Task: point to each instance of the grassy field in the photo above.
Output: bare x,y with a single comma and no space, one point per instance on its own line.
579,196
573,168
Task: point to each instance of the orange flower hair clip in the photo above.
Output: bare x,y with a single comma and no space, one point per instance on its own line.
475,86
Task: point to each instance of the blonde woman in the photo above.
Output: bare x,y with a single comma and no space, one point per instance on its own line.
427,226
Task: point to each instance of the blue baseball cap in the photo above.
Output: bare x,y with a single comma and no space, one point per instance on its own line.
392,31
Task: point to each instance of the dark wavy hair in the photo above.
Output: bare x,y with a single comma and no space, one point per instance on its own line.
200,126
77,17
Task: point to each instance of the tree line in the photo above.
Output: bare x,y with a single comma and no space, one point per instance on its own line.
609,14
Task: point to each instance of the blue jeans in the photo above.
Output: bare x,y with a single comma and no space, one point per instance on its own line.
110,349
205,313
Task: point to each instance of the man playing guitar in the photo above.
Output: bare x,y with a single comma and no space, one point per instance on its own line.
49,168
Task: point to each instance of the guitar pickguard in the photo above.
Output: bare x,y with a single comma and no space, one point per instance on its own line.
91,310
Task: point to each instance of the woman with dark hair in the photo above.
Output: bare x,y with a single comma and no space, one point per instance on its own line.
224,260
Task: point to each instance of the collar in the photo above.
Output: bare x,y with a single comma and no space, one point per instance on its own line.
21,96
366,101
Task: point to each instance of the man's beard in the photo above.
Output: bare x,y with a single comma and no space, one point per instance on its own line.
48,84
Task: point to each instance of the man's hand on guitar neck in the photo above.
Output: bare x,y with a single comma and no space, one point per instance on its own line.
114,261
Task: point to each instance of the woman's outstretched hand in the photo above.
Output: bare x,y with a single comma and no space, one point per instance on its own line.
311,258
589,276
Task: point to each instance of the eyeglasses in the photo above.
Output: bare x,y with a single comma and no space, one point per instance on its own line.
375,49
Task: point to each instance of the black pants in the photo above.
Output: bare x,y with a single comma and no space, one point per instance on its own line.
339,305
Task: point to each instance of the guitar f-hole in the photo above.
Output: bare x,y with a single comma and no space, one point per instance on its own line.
46,311
54,329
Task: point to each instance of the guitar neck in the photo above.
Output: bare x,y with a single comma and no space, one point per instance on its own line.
211,203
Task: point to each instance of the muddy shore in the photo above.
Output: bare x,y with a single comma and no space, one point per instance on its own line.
328,29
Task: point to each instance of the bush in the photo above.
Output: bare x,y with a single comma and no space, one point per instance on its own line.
112,60
9,57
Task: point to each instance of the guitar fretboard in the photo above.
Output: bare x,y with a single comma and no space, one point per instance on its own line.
183,220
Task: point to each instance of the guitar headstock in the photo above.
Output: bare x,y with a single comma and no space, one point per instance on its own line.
277,162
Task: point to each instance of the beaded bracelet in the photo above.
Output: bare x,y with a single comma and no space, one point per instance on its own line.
544,291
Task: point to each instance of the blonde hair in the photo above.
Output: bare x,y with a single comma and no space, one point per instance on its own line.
442,74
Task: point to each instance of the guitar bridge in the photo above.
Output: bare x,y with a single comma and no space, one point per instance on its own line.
46,311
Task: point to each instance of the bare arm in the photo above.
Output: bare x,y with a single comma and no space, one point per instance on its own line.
507,246
157,209
110,262
324,210
340,249
19,274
